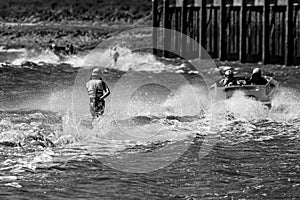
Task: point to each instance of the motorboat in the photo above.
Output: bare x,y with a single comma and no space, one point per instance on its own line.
262,93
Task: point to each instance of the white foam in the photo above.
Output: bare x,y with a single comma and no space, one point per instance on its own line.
4,50
188,101
46,57
127,61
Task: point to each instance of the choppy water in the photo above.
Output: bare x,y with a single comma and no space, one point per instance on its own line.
50,150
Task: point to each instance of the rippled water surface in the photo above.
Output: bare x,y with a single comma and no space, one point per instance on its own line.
51,150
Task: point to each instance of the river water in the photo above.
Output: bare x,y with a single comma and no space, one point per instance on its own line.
169,144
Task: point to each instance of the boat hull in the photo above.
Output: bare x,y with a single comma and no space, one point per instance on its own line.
262,93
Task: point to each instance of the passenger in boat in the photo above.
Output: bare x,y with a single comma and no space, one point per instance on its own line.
256,78
97,91
62,50
228,79
70,49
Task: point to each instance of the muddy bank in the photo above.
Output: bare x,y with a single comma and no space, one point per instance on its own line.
39,36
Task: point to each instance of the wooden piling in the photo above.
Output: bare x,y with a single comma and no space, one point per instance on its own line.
216,32
203,28
177,35
223,26
243,31
155,26
281,36
167,27
183,28
190,31
289,36
266,33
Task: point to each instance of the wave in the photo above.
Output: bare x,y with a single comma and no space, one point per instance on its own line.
45,138
177,117
101,58
37,57
286,105
4,50
128,60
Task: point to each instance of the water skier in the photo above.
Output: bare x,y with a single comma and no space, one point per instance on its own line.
97,91
115,55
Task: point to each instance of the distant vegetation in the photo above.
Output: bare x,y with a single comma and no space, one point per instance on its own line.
127,11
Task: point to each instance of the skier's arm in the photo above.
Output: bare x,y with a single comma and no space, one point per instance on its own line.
106,91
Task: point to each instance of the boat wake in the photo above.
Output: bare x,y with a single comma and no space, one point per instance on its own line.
177,115
47,130
39,139
127,61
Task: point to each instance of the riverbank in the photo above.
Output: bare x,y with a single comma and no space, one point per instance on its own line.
40,35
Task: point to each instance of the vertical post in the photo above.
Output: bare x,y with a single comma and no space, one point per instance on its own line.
154,26
198,27
216,33
266,33
167,27
289,37
223,26
243,31
191,31
177,45
183,28
203,29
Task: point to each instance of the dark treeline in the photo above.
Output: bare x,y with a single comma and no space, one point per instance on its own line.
90,10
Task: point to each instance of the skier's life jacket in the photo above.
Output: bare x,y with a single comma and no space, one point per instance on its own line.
95,88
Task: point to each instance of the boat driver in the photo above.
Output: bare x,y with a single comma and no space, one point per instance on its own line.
228,79
256,78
